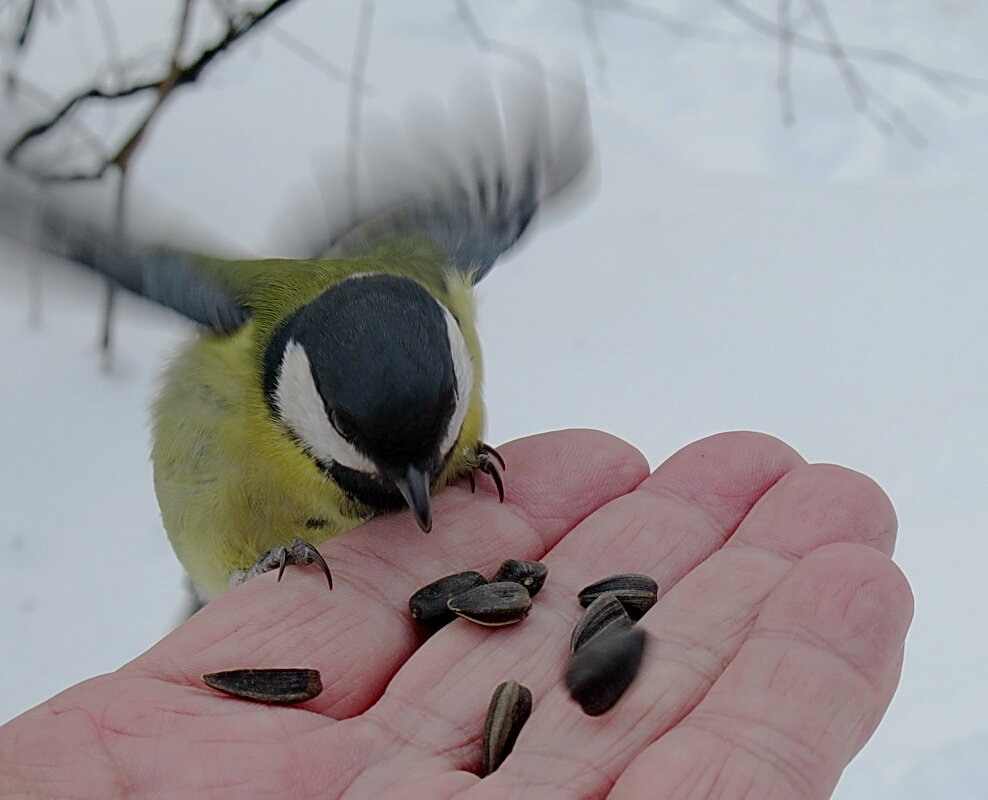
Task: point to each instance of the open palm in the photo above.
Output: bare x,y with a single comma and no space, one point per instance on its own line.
775,647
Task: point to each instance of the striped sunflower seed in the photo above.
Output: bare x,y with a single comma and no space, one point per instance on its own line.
500,603
604,614
508,711
637,593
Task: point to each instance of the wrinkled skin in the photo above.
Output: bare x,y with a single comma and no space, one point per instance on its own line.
775,647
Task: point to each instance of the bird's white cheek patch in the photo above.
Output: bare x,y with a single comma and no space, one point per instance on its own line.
463,369
301,407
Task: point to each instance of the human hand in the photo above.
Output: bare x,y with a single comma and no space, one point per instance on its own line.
775,647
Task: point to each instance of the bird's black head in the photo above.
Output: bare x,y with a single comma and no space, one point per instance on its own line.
373,379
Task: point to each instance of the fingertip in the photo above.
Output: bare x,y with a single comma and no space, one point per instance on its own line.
725,473
827,503
850,599
596,447
551,474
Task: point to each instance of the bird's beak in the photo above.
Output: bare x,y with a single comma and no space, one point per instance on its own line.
414,487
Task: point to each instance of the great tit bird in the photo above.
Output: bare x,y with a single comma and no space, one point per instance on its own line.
320,391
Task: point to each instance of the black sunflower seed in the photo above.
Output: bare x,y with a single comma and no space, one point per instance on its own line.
268,685
530,574
601,671
499,603
428,604
637,593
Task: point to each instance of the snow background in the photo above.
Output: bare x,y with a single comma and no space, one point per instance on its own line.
822,282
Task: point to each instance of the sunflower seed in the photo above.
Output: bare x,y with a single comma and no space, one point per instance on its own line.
601,672
530,574
508,711
272,685
603,614
637,593
493,603
428,604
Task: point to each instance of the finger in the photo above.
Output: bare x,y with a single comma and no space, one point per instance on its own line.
686,509
359,633
804,693
698,626
681,514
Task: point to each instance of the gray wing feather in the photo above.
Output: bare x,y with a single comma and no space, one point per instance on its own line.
470,180
41,218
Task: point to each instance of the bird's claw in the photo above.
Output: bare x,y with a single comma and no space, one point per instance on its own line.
486,456
298,551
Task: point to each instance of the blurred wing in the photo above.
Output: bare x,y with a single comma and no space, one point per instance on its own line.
470,180
191,285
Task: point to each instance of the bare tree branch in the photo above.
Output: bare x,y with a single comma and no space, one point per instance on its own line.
784,76
358,69
239,24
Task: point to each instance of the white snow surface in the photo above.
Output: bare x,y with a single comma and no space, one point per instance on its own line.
821,281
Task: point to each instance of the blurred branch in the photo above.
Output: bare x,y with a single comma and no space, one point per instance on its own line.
784,76
312,56
588,17
111,40
177,74
881,112
358,70
876,107
480,38
667,22
517,54
19,38
26,24
942,80
857,89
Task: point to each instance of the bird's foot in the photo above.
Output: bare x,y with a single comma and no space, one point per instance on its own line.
298,552
486,456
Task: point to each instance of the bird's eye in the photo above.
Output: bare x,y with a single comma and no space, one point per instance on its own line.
339,425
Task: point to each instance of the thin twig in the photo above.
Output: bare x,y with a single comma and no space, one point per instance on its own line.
852,80
517,54
312,56
588,17
110,296
667,22
886,116
945,81
485,42
26,24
